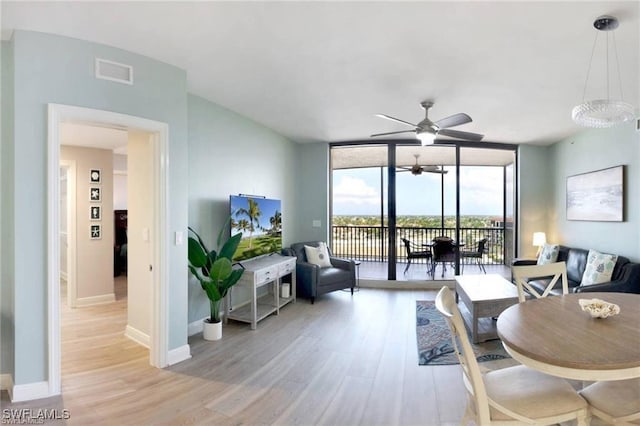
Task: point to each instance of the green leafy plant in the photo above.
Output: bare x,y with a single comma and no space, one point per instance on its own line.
213,268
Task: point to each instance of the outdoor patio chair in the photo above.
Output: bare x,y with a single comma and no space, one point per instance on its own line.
476,254
444,251
412,253
513,395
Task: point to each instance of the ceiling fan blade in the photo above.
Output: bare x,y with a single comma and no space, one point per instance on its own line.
454,120
388,117
392,133
461,135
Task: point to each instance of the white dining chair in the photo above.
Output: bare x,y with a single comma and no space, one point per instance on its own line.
615,402
555,271
513,395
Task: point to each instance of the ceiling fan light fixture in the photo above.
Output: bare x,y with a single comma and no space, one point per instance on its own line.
603,113
426,138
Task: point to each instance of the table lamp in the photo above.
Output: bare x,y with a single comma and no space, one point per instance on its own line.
539,240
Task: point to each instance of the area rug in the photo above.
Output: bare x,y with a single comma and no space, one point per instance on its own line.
434,339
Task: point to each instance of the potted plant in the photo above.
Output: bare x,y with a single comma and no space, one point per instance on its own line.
216,275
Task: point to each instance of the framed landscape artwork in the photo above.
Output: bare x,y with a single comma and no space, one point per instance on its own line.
596,196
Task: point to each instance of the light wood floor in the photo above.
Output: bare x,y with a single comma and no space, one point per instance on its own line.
346,360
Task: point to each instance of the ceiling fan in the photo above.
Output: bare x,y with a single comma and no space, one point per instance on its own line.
427,130
417,169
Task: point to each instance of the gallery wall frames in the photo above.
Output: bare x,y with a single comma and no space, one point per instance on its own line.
597,195
95,210
96,232
94,176
94,194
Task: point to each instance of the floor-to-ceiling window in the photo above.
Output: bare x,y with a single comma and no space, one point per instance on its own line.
390,200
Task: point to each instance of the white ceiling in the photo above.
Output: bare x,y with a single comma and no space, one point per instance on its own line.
319,71
94,136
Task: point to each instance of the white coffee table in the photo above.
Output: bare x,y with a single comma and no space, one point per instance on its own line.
485,296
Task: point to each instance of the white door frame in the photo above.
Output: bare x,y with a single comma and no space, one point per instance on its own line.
159,337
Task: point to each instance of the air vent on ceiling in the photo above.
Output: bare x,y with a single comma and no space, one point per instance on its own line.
114,71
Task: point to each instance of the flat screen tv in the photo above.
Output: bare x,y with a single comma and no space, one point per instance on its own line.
260,221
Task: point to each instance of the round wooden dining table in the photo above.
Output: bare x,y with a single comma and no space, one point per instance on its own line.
554,335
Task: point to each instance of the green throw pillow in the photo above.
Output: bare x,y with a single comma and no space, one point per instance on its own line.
599,268
549,254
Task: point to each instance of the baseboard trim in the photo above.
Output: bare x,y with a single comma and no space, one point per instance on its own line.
137,336
195,327
95,300
406,285
30,391
180,354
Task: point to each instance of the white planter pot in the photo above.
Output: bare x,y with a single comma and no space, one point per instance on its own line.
211,331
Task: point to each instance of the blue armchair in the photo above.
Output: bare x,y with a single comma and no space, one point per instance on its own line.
312,280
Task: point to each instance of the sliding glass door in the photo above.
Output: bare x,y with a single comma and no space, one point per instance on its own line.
390,201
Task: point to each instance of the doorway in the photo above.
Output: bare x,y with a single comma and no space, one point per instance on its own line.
158,143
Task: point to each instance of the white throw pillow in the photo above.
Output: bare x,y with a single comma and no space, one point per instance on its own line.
318,255
549,254
599,268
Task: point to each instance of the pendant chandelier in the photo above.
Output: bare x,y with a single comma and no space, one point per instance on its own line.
601,113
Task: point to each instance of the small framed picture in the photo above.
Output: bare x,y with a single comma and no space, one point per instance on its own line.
95,175
95,194
95,232
96,213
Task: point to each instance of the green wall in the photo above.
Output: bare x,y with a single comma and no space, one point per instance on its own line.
6,213
230,154
213,152
312,175
54,69
534,195
587,151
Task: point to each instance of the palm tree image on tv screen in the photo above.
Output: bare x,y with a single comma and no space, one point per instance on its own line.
260,221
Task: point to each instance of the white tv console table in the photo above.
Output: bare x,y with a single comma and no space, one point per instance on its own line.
260,272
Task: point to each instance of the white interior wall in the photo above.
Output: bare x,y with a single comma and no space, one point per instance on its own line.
139,226
63,222
119,182
94,263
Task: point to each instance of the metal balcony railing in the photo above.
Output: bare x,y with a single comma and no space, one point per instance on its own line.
370,243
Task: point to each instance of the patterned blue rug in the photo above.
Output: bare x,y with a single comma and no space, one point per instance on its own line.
434,339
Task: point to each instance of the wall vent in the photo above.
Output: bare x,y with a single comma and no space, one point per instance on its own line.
114,71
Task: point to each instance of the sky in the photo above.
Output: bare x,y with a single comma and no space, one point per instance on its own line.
357,192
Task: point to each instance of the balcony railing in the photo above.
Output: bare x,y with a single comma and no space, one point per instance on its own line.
370,243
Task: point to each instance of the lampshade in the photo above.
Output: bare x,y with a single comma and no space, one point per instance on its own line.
426,138
539,239
608,112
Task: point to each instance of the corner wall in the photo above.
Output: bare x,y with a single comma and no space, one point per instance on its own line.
230,154
55,69
535,196
7,234
312,175
593,150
